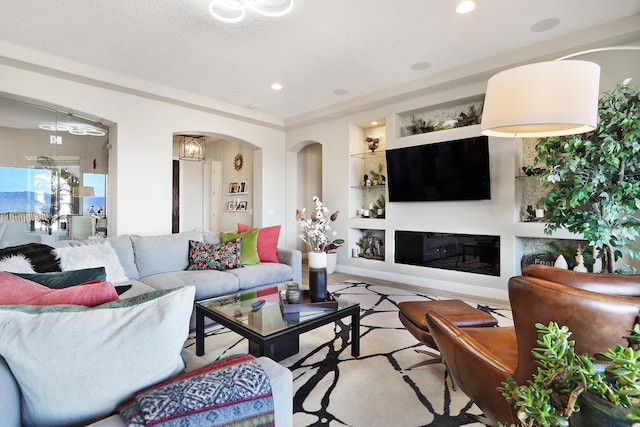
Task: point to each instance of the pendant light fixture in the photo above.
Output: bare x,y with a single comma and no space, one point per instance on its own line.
192,147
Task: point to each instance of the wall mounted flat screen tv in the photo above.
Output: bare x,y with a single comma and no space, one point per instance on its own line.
443,171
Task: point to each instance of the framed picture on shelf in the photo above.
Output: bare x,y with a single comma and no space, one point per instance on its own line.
233,188
242,188
242,205
231,206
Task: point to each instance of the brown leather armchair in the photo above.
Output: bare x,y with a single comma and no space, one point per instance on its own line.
480,359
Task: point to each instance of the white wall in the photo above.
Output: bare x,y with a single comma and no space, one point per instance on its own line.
142,140
492,217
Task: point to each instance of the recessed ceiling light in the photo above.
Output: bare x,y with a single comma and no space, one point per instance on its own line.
254,106
544,25
465,6
341,92
276,86
374,123
422,65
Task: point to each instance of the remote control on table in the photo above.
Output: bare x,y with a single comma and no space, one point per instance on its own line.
257,305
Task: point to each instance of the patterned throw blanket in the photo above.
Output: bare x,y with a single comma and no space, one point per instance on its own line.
231,392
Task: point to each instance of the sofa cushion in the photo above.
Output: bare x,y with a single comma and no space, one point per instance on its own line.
251,276
249,244
212,237
42,257
17,263
205,256
208,283
16,290
267,241
124,249
65,279
94,358
162,254
96,255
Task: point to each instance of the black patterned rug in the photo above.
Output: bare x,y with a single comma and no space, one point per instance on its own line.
333,388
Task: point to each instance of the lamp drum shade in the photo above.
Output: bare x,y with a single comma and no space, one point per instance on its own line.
543,99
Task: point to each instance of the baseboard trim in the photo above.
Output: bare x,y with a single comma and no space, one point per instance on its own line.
447,289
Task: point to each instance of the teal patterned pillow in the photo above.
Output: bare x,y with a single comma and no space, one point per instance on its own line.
205,256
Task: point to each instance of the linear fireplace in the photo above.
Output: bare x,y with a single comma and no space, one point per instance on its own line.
470,253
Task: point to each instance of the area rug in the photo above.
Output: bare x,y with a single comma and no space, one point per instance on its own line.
333,388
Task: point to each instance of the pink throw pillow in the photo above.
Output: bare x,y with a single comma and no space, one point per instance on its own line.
16,290
267,241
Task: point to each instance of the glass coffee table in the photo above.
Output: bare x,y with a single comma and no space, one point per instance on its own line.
270,333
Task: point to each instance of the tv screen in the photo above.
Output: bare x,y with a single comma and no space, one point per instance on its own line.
452,170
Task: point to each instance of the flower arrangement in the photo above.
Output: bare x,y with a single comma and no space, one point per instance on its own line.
316,229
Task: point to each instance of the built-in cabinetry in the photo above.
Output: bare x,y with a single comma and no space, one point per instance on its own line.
530,221
373,224
367,186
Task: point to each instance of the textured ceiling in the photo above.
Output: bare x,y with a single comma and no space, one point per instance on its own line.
363,46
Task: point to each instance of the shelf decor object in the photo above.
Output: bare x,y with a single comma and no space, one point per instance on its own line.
192,147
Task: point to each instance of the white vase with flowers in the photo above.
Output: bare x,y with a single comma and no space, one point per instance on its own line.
315,231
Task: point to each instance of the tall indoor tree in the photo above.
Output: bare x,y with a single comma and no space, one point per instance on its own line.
594,178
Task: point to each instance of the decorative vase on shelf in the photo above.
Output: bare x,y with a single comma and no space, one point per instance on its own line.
317,276
561,262
580,268
332,259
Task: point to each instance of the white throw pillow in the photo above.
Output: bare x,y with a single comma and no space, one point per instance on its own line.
75,364
16,264
88,256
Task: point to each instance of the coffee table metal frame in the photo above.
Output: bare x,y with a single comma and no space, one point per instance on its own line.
280,344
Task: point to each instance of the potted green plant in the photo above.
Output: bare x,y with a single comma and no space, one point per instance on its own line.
599,390
594,178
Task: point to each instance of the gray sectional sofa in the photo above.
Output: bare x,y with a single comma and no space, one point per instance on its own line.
157,264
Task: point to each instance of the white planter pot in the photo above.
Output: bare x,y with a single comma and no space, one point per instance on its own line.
317,260
331,263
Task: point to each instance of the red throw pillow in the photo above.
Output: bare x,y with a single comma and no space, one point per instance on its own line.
267,241
16,290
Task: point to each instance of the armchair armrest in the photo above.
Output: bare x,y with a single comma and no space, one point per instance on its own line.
479,360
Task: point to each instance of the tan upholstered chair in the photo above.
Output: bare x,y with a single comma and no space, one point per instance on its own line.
480,359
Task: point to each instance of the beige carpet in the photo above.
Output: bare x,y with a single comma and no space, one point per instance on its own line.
332,388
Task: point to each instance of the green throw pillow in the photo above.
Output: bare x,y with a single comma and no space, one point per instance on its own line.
66,279
249,252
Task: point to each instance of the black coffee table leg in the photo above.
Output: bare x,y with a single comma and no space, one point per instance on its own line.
355,333
199,332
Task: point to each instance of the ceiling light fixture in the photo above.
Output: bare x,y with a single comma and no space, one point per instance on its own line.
81,130
276,86
465,6
232,11
192,147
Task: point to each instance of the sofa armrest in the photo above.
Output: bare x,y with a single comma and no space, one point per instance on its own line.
9,397
292,257
281,385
